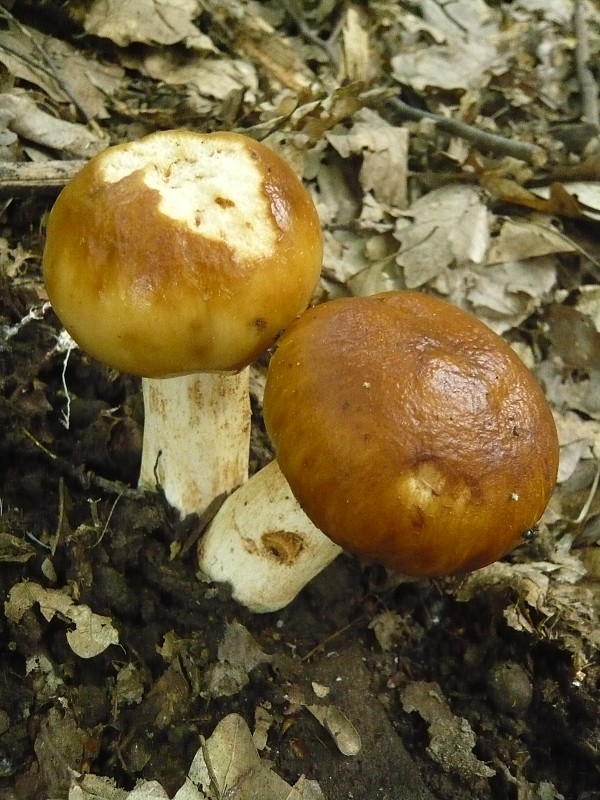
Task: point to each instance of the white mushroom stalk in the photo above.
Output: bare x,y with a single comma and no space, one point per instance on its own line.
263,544
196,437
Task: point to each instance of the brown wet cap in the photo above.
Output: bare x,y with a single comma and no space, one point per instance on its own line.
181,252
410,432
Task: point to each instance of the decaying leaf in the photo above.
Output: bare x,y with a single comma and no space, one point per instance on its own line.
449,225
212,77
239,647
547,599
263,721
35,125
384,149
147,21
574,330
585,194
92,634
95,787
27,54
451,739
129,687
357,62
387,627
15,549
228,761
238,654
339,727
502,295
523,239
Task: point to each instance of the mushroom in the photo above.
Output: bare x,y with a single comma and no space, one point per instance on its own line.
407,431
178,258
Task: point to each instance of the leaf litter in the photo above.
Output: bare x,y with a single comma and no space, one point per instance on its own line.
451,147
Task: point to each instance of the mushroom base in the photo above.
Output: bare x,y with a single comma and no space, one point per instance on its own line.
263,544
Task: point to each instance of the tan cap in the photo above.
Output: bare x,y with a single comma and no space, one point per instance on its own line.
410,432
181,252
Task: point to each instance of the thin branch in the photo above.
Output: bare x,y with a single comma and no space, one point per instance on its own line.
26,178
306,31
84,479
587,82
500,145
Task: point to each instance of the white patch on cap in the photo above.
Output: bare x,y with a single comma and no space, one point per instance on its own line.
214,187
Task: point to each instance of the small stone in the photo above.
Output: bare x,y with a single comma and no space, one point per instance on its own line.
510,689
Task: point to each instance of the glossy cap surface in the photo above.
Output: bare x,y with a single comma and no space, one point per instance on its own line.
181,252
410,432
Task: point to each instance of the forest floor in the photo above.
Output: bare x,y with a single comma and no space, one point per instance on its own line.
450,147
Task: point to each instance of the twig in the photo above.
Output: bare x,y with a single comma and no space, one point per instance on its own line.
307,32
83,478
324,642
587,83
25,178
500,145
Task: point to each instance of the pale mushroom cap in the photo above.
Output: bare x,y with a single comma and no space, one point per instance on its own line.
410,432
181,252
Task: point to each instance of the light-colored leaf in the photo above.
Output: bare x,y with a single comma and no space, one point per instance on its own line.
148,22
92,634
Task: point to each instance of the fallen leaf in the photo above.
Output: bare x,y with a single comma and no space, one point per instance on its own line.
519,240
229,762
35,125
384,150
148,22
339,727
25,52
449,225
92,634
14,549
357,59
451,738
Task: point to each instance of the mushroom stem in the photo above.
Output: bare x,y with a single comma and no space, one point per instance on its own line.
196,437
263,544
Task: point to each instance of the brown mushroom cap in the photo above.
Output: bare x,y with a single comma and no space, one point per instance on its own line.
410,432
181,252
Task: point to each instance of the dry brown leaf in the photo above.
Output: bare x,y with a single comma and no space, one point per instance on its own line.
238,655
559,202
278,56
546,599
387,627
523,239
148,22
15,549
585,194
212,77
34,125
574,336
504,295
229,762
92,633
339,727
384,149
60,70
449,225
451,739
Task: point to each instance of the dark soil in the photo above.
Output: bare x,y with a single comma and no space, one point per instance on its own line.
70,520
